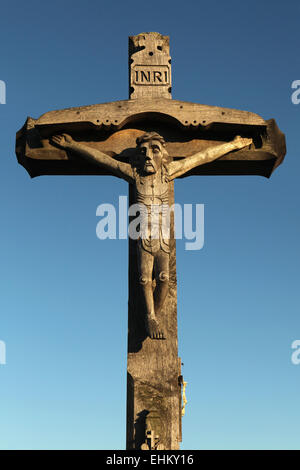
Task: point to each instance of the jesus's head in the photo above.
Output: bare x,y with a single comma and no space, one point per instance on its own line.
152,153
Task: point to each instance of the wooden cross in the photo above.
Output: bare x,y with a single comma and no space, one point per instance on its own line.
150,140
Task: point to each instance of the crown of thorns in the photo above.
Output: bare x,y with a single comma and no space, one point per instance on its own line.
150,136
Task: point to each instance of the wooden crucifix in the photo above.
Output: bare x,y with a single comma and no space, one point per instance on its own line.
150,140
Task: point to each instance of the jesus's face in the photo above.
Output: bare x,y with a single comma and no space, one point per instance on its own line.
151,154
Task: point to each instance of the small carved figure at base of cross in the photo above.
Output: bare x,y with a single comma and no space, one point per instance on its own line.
152,442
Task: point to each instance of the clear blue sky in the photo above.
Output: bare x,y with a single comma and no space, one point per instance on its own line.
63,296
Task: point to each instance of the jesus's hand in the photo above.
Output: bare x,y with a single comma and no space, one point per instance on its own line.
63,140
241,142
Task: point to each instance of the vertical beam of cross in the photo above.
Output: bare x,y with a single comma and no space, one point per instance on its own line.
153,367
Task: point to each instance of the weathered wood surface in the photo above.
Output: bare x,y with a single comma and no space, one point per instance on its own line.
149,66
153,367
187,128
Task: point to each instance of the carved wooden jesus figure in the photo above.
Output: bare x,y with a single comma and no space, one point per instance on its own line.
150,175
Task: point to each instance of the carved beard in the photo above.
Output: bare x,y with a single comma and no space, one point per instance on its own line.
149,168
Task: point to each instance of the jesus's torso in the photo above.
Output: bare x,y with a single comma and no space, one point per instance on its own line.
152,194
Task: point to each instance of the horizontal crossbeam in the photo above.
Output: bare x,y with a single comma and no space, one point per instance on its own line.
114,127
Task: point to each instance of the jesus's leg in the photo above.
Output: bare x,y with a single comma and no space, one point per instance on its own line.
161,267
145,265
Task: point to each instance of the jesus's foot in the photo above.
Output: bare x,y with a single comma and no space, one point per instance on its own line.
154,330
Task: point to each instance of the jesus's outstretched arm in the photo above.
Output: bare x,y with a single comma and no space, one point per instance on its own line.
179,167
120,169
